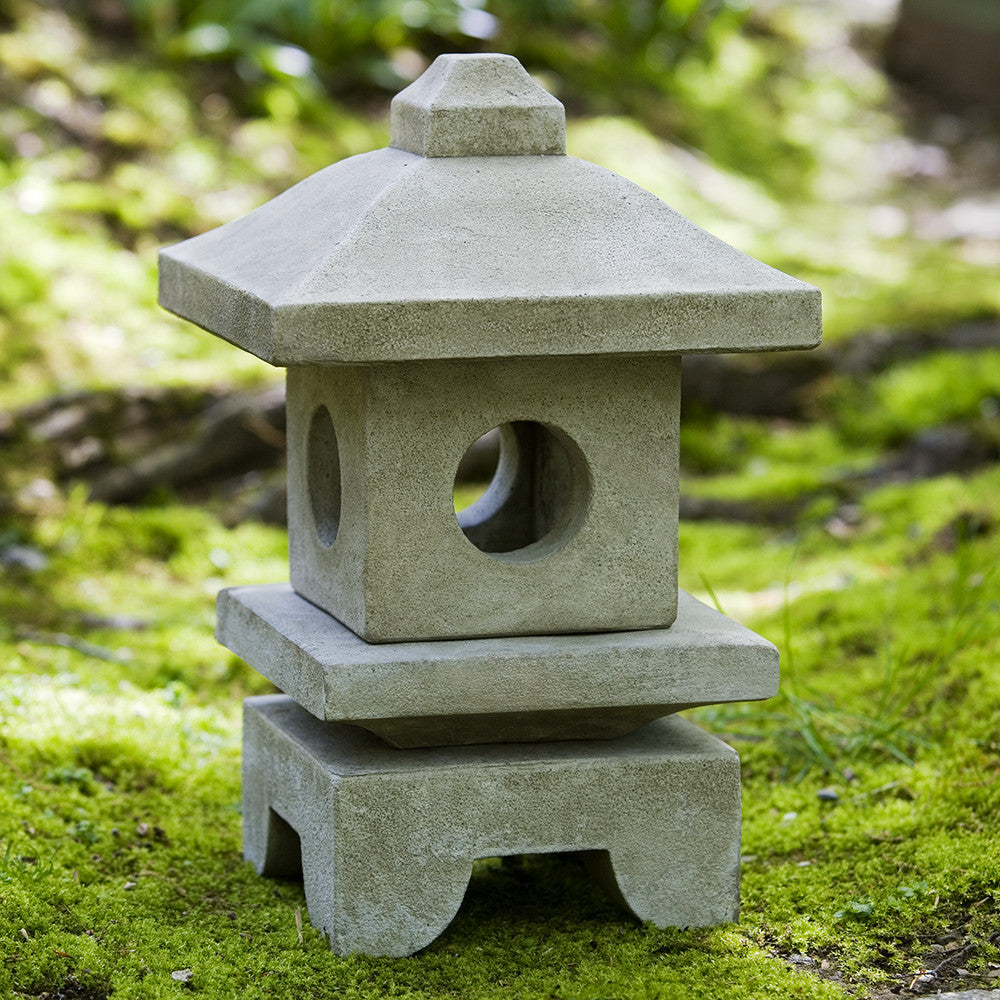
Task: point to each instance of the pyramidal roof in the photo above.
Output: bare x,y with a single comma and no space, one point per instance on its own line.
475,235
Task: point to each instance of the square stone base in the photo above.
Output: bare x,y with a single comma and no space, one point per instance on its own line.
385,838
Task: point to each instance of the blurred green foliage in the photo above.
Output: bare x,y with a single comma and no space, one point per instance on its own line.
939,389
707,72
348,46
129,124
666,63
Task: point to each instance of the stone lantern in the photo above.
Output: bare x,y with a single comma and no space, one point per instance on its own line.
501,670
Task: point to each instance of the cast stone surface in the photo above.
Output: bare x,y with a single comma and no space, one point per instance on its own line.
495,690
386,838
968,995
465,105
580,529
397,256
472,276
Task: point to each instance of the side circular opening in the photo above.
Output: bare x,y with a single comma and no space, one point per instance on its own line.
538,495
323,472
476,469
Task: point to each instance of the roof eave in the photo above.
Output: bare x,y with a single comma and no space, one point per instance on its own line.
361,332
234,314
674,323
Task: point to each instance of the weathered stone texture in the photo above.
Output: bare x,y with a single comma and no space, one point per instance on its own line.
386,838
471,277
598,544
467,105
495,690
397,256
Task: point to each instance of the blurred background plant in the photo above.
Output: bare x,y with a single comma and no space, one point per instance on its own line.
700,71
128,124
612,48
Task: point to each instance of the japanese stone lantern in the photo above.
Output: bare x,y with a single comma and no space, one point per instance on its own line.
473,276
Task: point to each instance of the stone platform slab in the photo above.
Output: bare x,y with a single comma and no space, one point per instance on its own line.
385,838
523,688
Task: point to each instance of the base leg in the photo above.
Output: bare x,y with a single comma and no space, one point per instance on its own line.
392,908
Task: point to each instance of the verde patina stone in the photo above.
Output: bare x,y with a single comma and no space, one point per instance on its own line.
473,277
578,533
490,243
385,838
495,690
465,105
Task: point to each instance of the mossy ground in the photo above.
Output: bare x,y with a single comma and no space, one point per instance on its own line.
120,774
120,860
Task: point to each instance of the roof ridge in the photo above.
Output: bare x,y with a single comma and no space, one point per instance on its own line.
358,218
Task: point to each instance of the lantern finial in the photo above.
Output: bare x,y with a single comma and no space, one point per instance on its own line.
477,105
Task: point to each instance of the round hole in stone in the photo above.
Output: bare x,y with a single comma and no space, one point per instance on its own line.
538,495
476,470
323,471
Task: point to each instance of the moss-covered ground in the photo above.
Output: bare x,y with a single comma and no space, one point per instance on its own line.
120,853
871,783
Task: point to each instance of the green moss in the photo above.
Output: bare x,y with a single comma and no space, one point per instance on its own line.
119,778
162,155
940,389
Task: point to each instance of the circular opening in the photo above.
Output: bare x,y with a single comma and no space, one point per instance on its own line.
537,495
323,465
476,469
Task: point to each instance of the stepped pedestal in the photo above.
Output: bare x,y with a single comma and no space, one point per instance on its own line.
385,838
520,688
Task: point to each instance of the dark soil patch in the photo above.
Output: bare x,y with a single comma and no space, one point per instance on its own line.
941,970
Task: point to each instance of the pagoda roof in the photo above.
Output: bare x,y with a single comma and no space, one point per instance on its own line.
481,238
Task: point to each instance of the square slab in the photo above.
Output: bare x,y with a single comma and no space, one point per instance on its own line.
495,690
